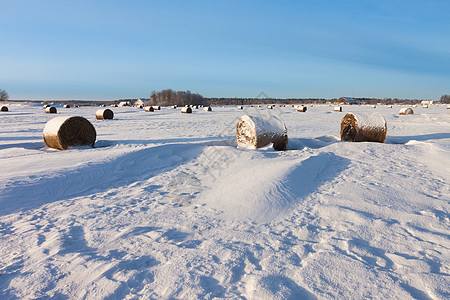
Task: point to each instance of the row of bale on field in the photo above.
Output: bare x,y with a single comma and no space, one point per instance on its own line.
254,131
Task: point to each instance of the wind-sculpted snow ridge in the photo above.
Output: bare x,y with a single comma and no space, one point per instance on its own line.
168,208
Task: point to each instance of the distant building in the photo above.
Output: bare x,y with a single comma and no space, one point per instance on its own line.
347,100
427,102
139,102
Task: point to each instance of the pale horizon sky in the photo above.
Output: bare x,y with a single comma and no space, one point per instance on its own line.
106,50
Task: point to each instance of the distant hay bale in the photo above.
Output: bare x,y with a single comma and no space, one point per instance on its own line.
269,107
104,114
363,127
156,107
425,106
186,110
207,108
46,105
448,106
301,108
240,107
406,111
414,106
66,106
114,105
64,132
254,132
173,107
51,110
149,108
140,106
374,106
389,106
4,108
338,108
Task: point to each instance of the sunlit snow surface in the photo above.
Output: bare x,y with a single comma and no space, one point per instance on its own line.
166,206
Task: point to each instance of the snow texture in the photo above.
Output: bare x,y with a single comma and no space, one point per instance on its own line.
167,207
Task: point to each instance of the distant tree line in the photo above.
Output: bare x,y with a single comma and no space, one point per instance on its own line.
445,99
3,95
170,97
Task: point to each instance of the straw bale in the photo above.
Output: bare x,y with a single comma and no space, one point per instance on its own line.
207,108
240,107
104,114
149,108
406,111
157,107
301,108
254,132
186,110
64,132
4,108
51,110
66,106
338,108
363,127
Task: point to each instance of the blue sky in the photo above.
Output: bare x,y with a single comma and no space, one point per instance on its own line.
125,49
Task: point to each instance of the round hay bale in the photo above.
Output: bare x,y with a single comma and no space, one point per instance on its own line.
66,106
149,108
301,108
363,127
114,105
389,106
448,106
374,106
104,114
338,108
173,107
406,111
4,108
240,107
425,106
51,110
254,132
46,105
156,107
186,110
207,108
414,106
64,132
269,107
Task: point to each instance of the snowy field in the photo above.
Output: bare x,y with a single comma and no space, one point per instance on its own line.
166,207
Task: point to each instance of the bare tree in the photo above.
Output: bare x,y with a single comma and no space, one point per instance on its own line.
3,95
445,99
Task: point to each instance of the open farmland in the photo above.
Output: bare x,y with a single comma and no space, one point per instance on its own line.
166,206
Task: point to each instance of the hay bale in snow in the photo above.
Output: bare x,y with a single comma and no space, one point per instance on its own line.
186,110
254,132
448,106
51,110
406,111
104,114
149,108
338,108
157,107
389,106
66,106
46,105
374,106
425,106
64,132
173,107
207,108
240,107
363,127
269,107
4,108
301,108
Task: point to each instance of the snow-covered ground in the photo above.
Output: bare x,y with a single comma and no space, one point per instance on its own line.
166,206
